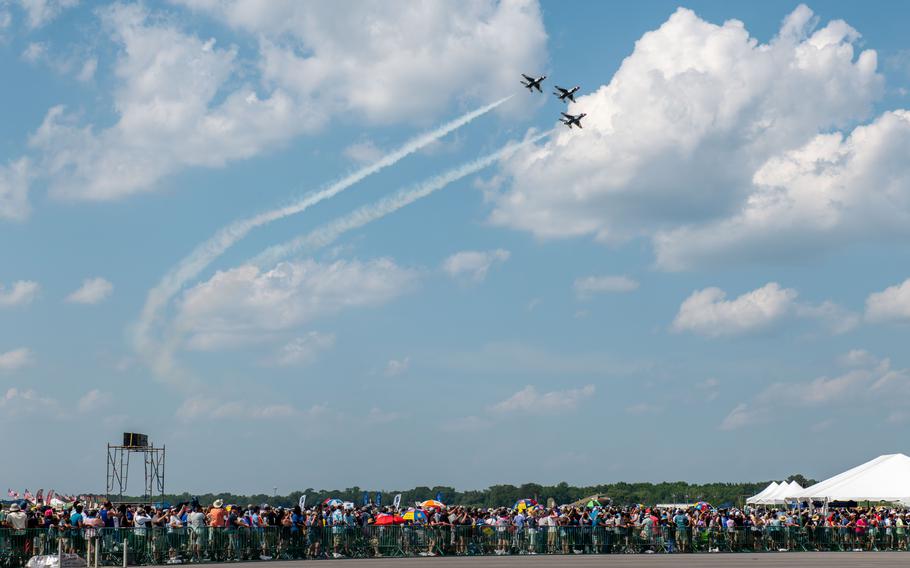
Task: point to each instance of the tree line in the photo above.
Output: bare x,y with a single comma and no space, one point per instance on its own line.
622,493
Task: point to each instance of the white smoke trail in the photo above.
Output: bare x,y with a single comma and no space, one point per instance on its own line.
204,254
326,234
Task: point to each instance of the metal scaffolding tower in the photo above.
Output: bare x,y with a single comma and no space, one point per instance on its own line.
118,466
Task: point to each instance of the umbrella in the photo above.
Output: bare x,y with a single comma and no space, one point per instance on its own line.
523,504
702,506
383,520
333,502
432,504
415,515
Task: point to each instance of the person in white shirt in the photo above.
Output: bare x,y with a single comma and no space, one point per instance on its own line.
196,522
141,519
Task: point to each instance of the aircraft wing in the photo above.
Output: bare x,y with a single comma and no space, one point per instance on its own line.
569,116
527,78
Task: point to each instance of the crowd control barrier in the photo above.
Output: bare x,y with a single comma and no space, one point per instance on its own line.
163,545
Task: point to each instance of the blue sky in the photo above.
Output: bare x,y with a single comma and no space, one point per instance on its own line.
707,282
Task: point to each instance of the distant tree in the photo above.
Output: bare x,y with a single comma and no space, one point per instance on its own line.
799,478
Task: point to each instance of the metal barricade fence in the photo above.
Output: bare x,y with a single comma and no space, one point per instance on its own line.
165,545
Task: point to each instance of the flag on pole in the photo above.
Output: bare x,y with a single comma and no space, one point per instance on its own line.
378,499
397,502
28,496
302,502
39,497
50,495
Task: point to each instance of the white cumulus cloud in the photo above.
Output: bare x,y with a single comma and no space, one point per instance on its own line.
21,293
182,100
92,291
835,190
891,304
591,285
472,265
677,135
708,312
15,359
389,61
246,304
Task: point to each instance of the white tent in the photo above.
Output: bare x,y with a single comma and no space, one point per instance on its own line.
780,495
886,478
792,489
756,499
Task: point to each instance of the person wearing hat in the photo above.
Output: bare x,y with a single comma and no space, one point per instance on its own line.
17,519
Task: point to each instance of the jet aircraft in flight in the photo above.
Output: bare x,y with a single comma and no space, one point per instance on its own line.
571,120
564,94
531,83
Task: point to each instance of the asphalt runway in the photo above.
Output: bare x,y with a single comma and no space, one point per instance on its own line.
770,559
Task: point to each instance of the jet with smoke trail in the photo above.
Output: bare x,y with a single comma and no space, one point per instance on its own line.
204,254
326,234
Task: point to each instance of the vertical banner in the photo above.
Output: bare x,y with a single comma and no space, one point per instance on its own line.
366,498
397,502
302,502
378,499
439,496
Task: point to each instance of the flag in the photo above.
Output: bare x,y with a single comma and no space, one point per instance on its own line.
50,495
378,499
366,498
11,493
397,502
28,496
439,496
39,497
302,502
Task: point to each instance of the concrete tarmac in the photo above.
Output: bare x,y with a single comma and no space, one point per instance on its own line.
729,560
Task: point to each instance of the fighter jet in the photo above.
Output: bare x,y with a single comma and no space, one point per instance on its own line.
571,120
564,94
531,83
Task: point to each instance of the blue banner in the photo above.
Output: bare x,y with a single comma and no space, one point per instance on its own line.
366,498
439,496
378,499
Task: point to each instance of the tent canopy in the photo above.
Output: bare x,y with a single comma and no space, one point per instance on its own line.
756,499
780,495
885,478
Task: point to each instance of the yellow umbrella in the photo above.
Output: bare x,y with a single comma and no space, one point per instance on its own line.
415,515
432,504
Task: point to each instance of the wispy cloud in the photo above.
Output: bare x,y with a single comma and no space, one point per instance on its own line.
15,359
530,399
397,367
305,349
588,286
473,265
93,291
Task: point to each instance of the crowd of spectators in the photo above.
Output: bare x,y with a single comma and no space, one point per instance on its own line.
191,532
